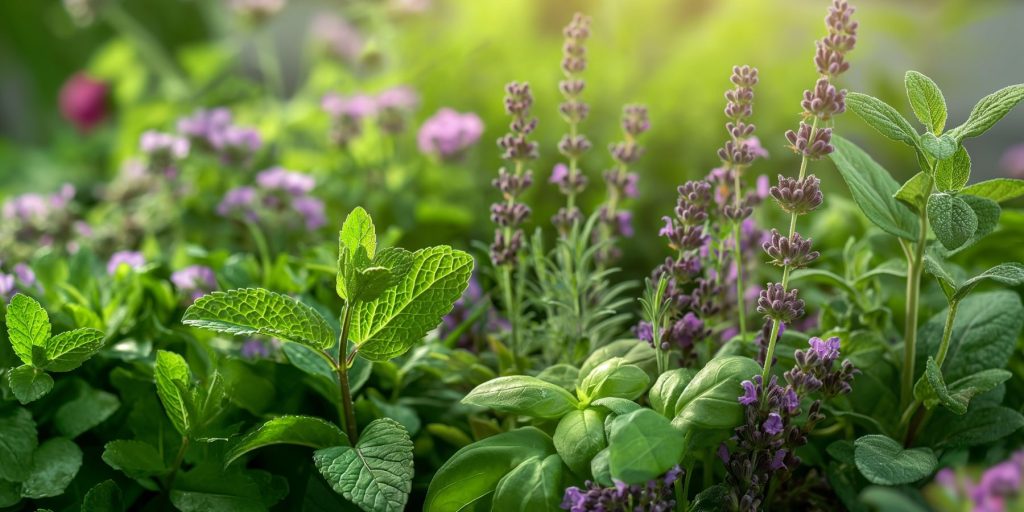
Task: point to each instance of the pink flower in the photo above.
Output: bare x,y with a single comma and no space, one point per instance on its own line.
133,259
83,101
448,134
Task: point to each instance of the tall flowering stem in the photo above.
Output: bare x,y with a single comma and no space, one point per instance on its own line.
570,179
620,182
802,195
736,156
509,214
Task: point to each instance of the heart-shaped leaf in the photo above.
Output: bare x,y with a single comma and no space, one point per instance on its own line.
375,474
884,461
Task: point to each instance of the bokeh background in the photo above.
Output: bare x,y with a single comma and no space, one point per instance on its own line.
672,55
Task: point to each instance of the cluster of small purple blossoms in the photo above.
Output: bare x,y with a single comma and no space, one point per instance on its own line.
737,153
570,179
21,278
338,36
213,130
131,259
194,281
257,11
390,108
767,440
32,220
517,149
278,191
619,181
448,134
163,150
654,496
999,488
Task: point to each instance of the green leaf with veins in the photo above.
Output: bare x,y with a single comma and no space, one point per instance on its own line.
988,111
984,334
915,191
932,390
873,189
28,325
953,173
358,231
998,189
643,445
939,148
927,101
103,497
54,464
29,383
68,350
294,430
523,395
18,440
952,220
884,461
536,485
375,474
88,410
388,326
255,311
882,117
1009,274
578,437
173,379
134,458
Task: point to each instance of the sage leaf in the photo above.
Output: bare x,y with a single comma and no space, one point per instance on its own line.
27,325
915,191
173,379
940,148
578,437
713,499
709,401
86,411
884,461
613,378
536,485
873,189
882,117
952,174
643,445
103,497
18,439
137,459
998,189
54,464
376,473
932,390
988,111
255,311
523,395
952,220
984,334
890,499
296,430
68,350
29,383
1009,274
987,211
981,426
927,101
467,481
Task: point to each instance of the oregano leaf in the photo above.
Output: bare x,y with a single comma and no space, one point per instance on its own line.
68,350
998,189
375,474
882,117
28,325
29,383
873,189
988,111
389,325
884,461
952,220
953,173
173,377
255,311
295,430
927,101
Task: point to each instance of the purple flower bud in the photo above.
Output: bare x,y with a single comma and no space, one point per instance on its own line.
312,211
827,350
786,252
83,101
749,395
133,259
236,144
204,125
773,425
798,196
776,303
824,101
239,199
813,144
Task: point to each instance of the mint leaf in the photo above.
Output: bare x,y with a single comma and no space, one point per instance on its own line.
998,189
989,111
883,461
388,326
173,378
386,270
29,383
134,458
18,440
68,350
358,231
296,430
927,101
103,497
915,191
952,174
27,325
252,311
873,189
643,445
376,474
88,410
1009,274
952,220
882,117
54,464
523,395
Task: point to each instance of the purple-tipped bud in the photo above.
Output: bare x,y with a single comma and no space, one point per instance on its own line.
776,303
797,196
635,120
789,252
504,250
511,185
824,101
813,144
504,214
573,147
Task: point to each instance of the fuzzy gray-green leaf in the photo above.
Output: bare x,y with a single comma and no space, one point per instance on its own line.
873,189
927,101
1009,274
998,189
884,461
953,173
882,117
952,220
255,311
988,111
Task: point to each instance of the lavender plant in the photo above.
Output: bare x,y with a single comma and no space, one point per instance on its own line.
570,178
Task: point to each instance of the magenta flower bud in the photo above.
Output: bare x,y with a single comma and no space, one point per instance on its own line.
83,101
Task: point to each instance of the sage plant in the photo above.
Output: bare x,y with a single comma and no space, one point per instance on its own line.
570,178
802,195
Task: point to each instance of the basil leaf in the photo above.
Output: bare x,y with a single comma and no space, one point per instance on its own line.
710,400
536,485
668,388
524,395
643,445
578,437
613,378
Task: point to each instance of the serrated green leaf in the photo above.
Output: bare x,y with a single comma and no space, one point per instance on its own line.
915,191
988,111
103,497
54,464
375,474
28,325
386,271
643,445
882,117
358,231
939,148
68,350
578,437
255,311
536,485
952,220
927,101
296,430
883,461
952,174
1009,274
172,378
998,189
873,189
524,395
18,439
388,326
29,383
88,410
136,459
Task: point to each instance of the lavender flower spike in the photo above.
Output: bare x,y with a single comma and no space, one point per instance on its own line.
573,144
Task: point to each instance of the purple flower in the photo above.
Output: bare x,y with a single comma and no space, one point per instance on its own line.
779,459
749,395
357,107
402,97
194,280
339,36
291,182
559,174
254,349
6,286
772,425
132,259
25,274
83,101
656,495
312,211
448,134
236,144
827,350
203,125
629,188
239,199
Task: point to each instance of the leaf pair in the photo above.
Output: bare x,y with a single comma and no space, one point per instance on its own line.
28,328
364,275
189,407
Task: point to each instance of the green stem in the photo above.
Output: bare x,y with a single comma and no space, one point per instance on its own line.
740,302
177,464
263,249
509,293
148,46
915,267
341,366
947,333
